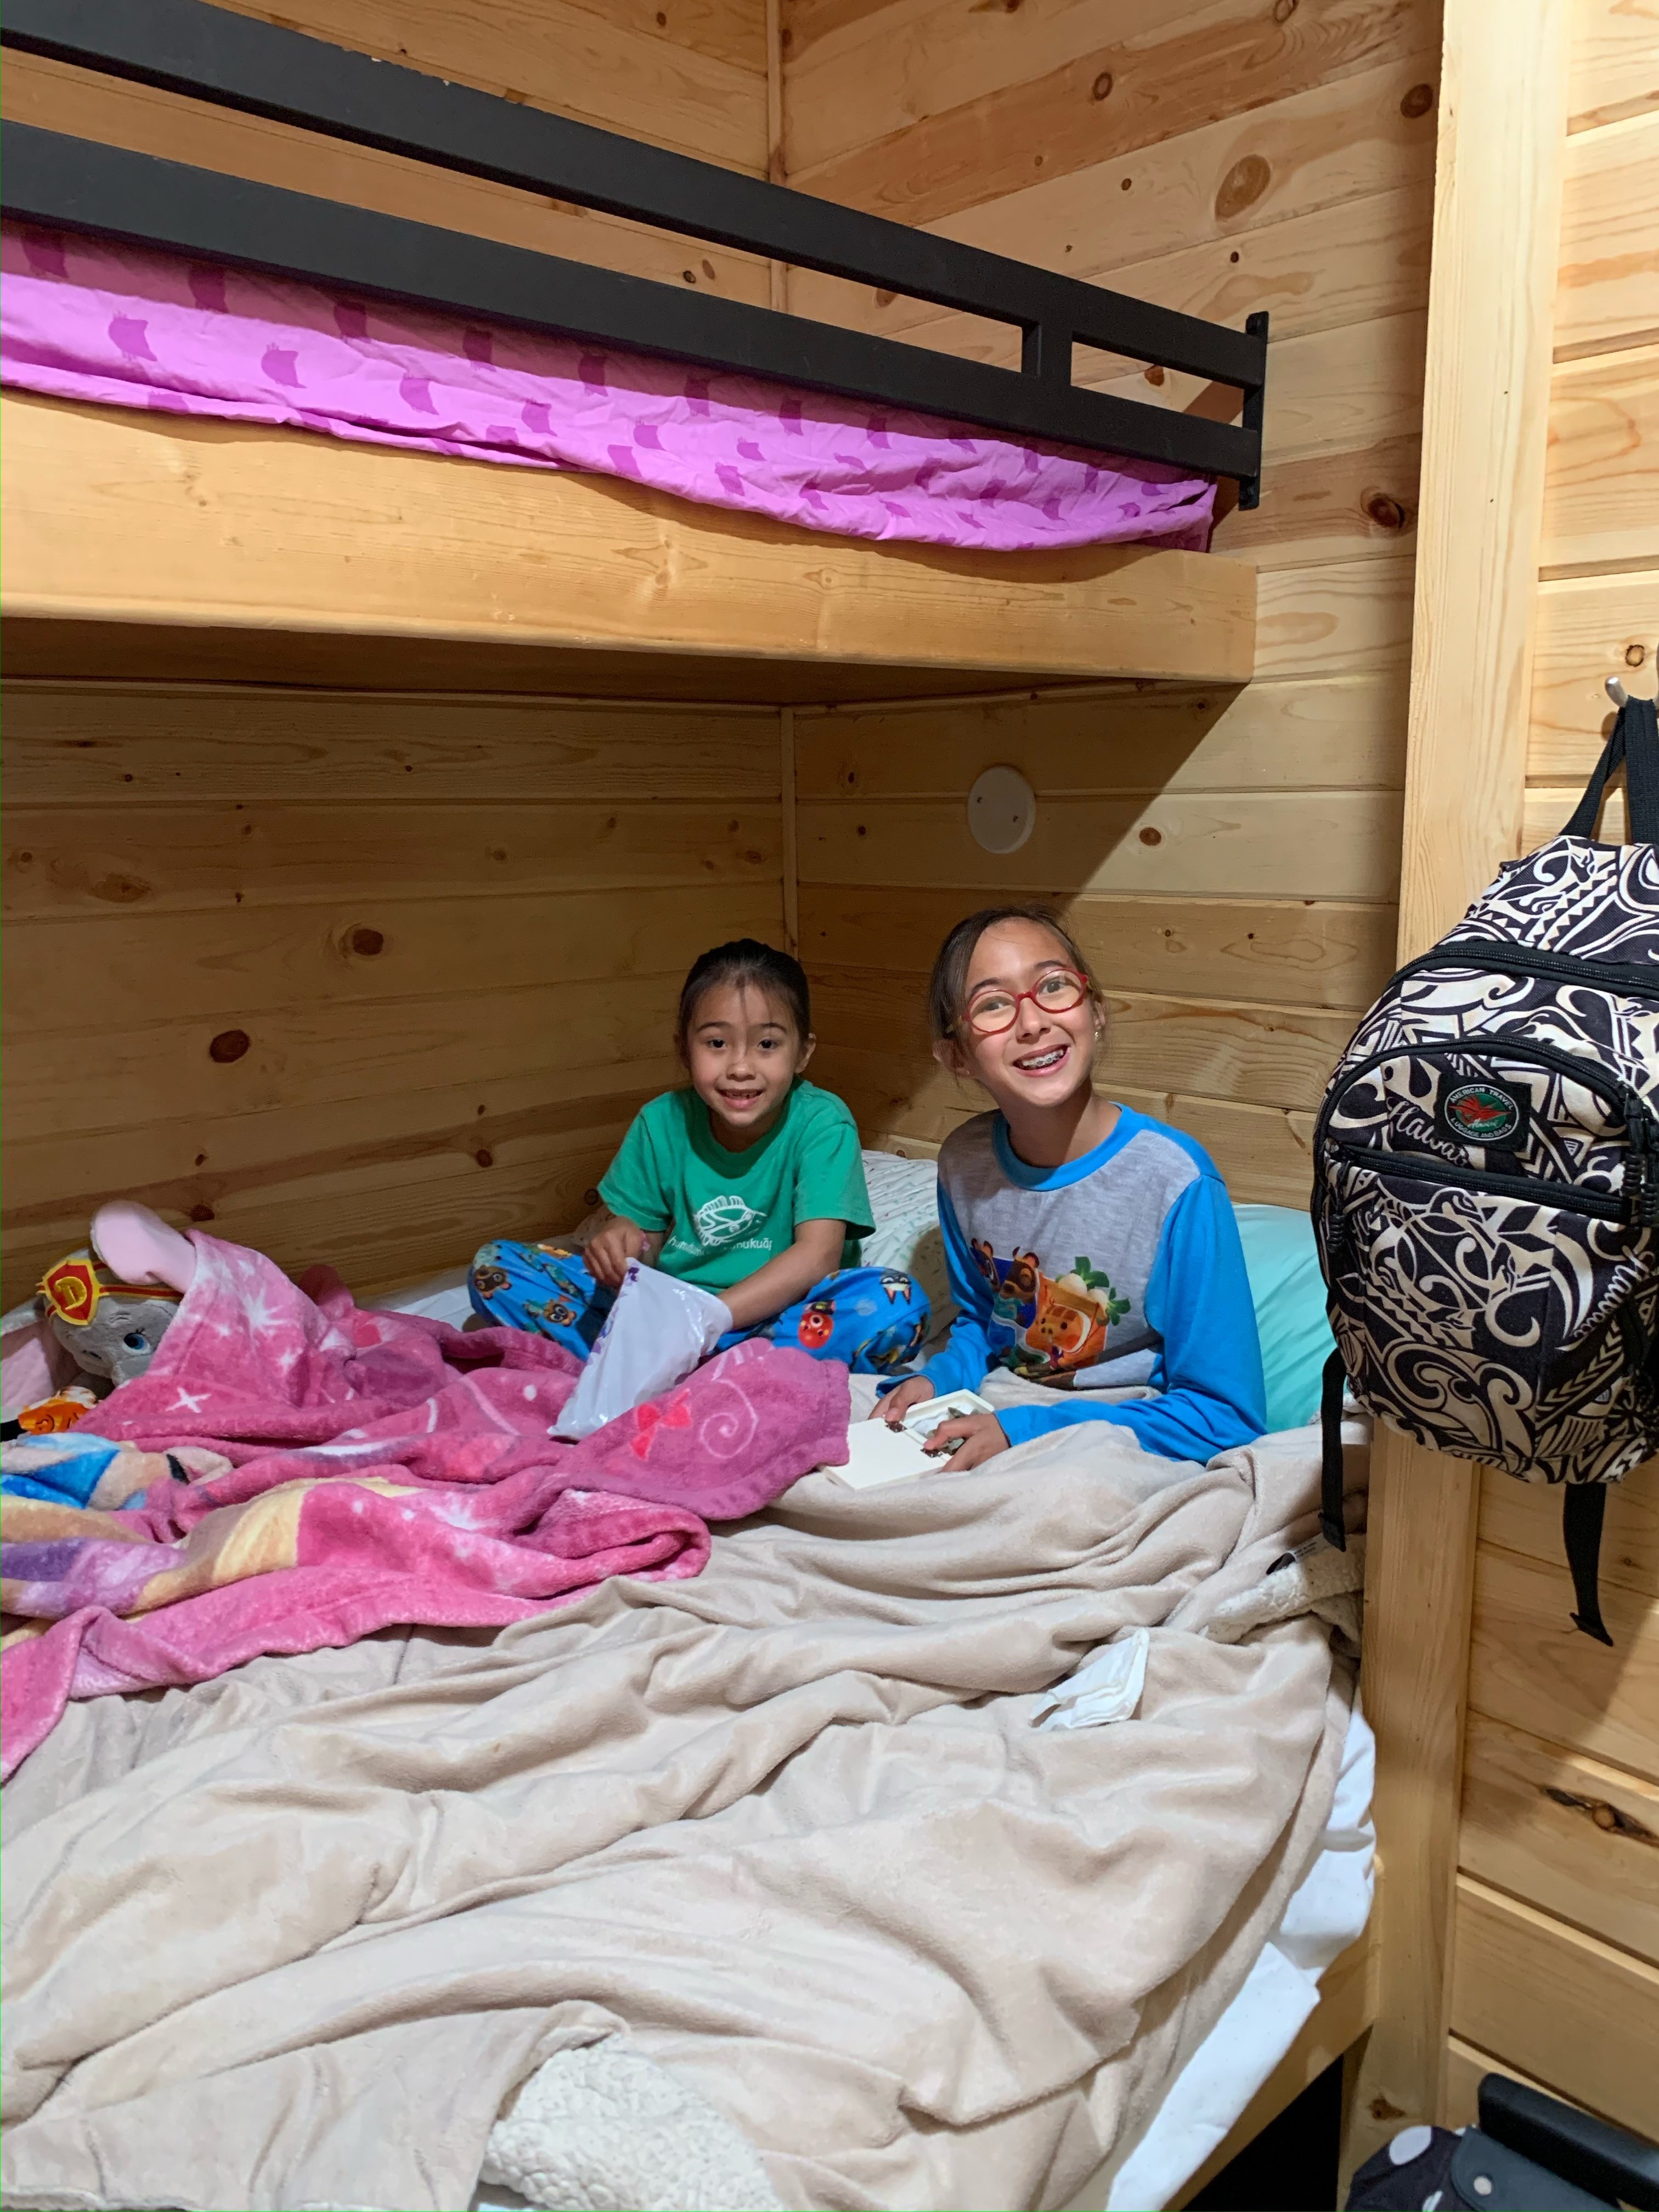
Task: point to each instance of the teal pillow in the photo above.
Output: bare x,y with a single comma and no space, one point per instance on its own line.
1288,1291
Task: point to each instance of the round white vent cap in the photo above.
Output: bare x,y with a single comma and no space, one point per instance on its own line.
1001,810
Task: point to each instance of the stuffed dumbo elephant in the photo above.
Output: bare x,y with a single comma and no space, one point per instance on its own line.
108,1326
110,1306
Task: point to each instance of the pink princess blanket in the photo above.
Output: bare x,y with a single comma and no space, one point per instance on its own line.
127,326
334,1471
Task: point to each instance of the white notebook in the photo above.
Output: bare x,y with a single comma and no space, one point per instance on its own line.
877,1454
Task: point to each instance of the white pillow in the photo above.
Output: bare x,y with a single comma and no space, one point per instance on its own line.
904,1207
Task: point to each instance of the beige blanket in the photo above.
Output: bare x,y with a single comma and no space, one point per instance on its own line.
291,1938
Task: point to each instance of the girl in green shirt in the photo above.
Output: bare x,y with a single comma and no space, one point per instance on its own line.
749,1183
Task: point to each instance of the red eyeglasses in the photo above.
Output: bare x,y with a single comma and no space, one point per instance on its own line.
996,1009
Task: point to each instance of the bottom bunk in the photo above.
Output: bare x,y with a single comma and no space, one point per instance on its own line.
461,1773
749,1886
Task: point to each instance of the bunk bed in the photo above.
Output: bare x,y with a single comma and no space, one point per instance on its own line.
144,545
586,569
569,584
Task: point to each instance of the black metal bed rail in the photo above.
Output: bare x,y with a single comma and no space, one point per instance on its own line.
193,47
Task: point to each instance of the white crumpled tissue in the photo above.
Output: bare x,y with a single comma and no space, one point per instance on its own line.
1106,1687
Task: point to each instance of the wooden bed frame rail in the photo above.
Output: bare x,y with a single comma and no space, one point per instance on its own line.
208,53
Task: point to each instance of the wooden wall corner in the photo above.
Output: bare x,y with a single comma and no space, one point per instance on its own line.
1496,218
1419,1578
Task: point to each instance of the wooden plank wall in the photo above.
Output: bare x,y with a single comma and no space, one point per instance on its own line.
351,973
1557,1891
1598,590
1496,221
1231,862
354,976
690,73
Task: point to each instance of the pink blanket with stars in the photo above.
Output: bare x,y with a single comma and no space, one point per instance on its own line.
356,1470
126,326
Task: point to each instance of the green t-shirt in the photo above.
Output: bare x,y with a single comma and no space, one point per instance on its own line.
728,1213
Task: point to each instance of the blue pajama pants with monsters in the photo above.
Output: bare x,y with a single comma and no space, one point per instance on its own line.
874,1320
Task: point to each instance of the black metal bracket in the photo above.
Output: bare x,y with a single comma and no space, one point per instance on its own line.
235,61
1250,487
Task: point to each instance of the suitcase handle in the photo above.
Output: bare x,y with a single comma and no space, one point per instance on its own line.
1597,2156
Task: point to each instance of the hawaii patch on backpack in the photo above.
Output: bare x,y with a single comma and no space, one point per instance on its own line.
1486,1176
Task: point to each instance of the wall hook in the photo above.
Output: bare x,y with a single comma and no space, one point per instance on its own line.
1617,692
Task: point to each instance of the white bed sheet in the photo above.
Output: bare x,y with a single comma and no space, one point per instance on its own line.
1325,1915
440,1298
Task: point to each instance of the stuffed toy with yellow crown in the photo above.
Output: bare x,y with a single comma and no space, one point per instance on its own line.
94,1322
111,1328
110,1305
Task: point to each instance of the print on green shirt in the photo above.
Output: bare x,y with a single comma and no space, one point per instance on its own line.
728,1213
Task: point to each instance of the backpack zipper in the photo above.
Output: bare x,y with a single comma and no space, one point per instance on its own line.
1628,1101
1527,960
1604,1206
1639,1198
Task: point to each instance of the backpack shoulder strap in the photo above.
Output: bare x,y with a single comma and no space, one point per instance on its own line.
1330,1423
1583,1509
1635,744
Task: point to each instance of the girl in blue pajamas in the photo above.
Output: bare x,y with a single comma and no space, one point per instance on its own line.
1089,1247
748,1183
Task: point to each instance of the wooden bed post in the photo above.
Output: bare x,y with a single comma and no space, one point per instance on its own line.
777,272
1497,216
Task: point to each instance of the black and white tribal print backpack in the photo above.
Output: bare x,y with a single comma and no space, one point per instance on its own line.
1486,1176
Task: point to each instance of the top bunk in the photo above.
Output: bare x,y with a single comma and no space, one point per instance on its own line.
166,519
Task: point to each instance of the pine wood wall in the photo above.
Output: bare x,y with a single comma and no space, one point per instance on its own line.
690,73
1559,1844
1598,590
1231,862
355,977
348,974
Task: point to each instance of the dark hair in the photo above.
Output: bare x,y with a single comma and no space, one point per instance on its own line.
947,987
745,960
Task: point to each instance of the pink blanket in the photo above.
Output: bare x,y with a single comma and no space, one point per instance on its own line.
374,1469
123,325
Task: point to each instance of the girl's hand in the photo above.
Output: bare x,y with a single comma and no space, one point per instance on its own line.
898,1403
981,1439
610,1249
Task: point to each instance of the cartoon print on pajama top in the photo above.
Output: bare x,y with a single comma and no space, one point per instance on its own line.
1043,1326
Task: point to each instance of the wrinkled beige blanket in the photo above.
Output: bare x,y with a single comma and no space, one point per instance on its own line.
290,1938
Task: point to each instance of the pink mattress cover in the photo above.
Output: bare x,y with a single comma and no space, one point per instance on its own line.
126,326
